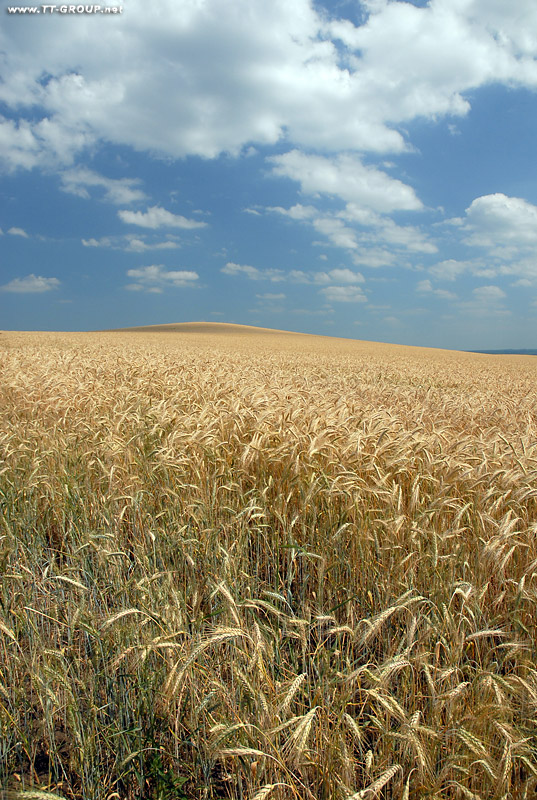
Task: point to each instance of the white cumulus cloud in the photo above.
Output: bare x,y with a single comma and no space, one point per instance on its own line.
450,269
276,71
253,273
157,217
271,296
426,287
31,284
130,243
346,177
18,232
283,70
489,295
356,228
339,276
116,190
344,294
296,212
156,278
315,278
496,219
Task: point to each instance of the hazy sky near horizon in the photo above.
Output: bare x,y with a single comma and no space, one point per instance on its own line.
364,169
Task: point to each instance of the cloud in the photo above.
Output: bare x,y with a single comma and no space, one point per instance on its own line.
384,231
374,257
337,232
450,269
104,242
31,284
330,226
315,278
253,273
136,245
157,217
296,212
426,287
130,243
269,302
343,294
116,190
496,219
346,177
489,295
522,282
46,143
420,61
505,230
19,148
333,95
345,275
405,237
278,71
314,312
369,230
156,278
485,301
18,232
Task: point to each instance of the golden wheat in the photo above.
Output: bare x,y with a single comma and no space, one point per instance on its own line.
246,566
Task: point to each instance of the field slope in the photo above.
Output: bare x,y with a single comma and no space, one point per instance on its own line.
204,327
241,565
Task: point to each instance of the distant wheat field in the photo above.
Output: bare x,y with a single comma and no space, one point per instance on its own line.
242,565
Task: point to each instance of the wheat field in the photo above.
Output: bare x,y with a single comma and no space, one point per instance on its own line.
246,565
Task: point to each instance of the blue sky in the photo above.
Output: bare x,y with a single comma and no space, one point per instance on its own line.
357,169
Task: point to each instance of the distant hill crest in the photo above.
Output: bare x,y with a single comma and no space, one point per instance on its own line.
204,327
